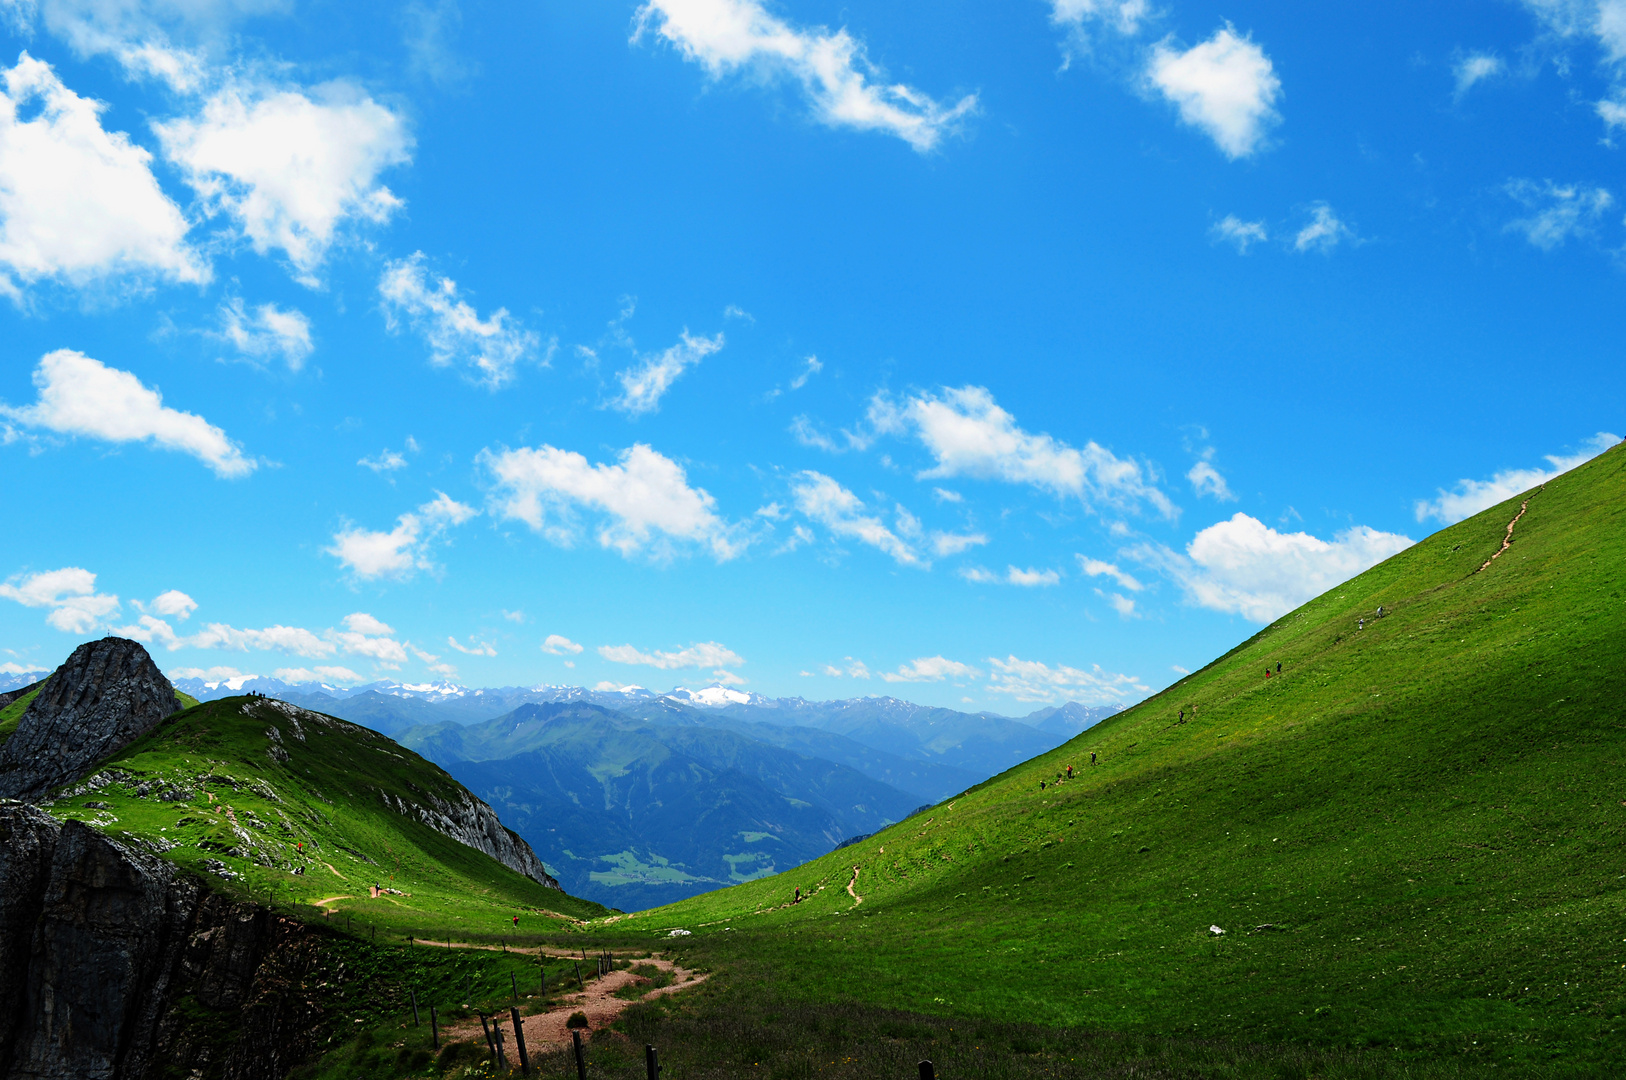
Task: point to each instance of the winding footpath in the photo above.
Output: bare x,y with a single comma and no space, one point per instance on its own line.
1507,541
547,1030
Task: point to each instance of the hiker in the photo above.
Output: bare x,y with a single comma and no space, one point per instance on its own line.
1278,667
516,922
1092,757
1041,785
1362,625
1069,772
798,899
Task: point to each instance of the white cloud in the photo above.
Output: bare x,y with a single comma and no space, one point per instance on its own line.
643,386
1472,496
1206,480
1123,605
79,396
931,669
1323,232
473,648
703,655
387,461
1242,566
1243,234
513,616
810,368
1226,86
1123,16
855,669
333,675
1098,568
729,36
839,510
9,668
808,434
290,166
1557,212
944,495
1013,575
559,645
75,607
1033,681
403,549
945,544
174,604
218,674
490,349
363,636
269,332
646,499
166,39
79,203
1476,68
970,435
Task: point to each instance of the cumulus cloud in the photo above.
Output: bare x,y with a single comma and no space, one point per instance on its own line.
1100,568
266,333
69,595
1472,496
11,668
968,434
405,548
488,349
931,669
855,669
78,203
706,654
845,90
1242,566
82,397
1013,575
559,645
1033,681
825,501
1242,234
173,604
290,166
1475,68
643,385
1557,212
644,500
1225,86
363,635
1323,232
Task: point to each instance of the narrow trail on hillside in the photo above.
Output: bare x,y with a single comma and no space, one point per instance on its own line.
1507,541
597,1001
852,888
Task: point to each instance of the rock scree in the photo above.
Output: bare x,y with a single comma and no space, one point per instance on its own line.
105,696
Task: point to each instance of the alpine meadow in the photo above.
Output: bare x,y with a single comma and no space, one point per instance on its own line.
793,540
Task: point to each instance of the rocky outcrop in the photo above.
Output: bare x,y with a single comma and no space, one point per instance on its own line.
105,696
115,965
21,692
470,821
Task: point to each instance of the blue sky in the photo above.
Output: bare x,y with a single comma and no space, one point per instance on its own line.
990,355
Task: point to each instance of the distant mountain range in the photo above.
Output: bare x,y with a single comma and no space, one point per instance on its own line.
635,798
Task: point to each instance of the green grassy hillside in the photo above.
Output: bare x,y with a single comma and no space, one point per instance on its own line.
233,787
1412,837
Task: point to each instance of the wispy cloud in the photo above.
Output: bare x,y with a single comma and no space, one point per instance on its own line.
1474,68
488,350
844,89
931,669
826,502
266,333
1034,681
1471,496
404,549
1323,232
643,385
1241,234
1557,212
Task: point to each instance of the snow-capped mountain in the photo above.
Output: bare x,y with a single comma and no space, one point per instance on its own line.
17,679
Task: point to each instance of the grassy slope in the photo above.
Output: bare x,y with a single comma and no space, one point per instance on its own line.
1430,810
234,795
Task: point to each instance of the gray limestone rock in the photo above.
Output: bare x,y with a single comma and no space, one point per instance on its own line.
105,696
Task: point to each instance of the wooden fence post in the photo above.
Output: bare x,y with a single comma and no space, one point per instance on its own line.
579,982
581,1061
519,1041
652,1062
926,1072
414,994
514,981
485,1027
434,1029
